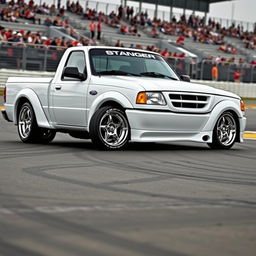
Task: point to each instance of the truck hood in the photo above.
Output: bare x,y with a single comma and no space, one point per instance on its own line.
159,84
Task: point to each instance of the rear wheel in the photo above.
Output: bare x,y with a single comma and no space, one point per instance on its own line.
28,129
225,132
109,128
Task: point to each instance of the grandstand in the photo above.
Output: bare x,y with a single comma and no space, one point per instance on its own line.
54,29
112,35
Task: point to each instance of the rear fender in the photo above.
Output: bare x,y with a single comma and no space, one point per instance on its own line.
31,97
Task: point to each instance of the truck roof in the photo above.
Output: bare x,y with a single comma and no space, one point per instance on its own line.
112,48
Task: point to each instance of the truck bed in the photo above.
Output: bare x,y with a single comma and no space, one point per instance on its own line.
29,80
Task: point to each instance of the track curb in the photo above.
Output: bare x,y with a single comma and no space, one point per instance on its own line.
250,106
250,135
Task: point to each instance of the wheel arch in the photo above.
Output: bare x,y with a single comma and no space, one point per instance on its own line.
111,103
28,95
114,99
237,124
219,109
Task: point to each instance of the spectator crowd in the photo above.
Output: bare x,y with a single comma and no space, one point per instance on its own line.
194,27
16,11
37,39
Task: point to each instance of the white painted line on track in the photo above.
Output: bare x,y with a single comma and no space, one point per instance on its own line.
61,209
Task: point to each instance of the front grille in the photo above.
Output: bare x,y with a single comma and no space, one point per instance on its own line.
188,100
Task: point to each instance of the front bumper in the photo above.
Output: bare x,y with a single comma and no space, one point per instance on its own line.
242,124
159,126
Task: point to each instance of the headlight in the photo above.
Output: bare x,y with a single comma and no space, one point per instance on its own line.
150,98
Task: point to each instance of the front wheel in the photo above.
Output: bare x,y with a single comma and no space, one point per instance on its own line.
109,128
225,132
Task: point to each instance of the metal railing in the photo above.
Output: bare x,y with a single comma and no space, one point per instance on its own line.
29,56
183,66
46,58
227,71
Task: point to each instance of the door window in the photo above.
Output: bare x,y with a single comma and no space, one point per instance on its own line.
76,59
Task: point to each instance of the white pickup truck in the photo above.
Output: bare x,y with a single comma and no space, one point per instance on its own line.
116,95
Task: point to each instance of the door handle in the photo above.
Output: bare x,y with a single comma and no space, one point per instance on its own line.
58,87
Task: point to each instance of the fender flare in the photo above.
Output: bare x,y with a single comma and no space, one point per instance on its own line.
32,97
221,107
108,96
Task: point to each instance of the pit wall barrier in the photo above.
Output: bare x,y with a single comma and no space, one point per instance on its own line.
244,90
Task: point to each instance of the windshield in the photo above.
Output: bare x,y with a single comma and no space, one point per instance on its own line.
129,62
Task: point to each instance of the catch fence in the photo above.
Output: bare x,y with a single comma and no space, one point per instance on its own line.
30,56
46,58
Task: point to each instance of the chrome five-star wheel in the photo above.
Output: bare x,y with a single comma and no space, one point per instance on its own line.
225,132
109,128
28,129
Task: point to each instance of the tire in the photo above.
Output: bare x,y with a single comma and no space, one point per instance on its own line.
225,132
45,135
28,129
109,128
79,135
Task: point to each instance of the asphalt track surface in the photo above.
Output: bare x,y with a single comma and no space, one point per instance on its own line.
67,198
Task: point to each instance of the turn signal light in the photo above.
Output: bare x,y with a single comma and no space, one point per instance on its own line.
242,105
141,98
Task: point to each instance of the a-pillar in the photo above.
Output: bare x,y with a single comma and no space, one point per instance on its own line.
156,9
125,3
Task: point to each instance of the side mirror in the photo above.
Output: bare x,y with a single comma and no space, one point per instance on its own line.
185,78
74,73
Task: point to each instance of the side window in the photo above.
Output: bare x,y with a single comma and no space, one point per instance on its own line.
76,59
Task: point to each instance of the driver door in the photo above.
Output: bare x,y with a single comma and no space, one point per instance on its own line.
68,96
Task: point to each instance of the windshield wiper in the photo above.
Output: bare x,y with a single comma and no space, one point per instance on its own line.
116,72
156,74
